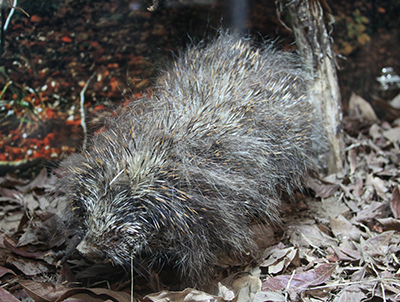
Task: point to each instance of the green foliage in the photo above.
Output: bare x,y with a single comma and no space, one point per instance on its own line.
356,27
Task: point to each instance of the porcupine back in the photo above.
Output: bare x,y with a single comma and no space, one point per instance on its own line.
179,176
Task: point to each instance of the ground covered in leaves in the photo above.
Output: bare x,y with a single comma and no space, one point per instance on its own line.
339,243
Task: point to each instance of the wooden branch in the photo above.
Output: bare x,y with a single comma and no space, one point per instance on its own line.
311,22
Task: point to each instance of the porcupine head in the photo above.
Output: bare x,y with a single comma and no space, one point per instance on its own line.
110,219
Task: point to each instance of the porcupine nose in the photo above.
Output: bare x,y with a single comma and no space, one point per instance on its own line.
89,251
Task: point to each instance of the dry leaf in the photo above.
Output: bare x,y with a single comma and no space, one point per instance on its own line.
188,295
395,102
346,251
309,235
395,202
334,207
44,228
375,131
95,294
369,212
301,281
6,296
379,185
351,293
322,188
361,108
11,245
279,259
352,155
43,291
4,271
48,292
225,292
269,296
41,181
246,288
30,267
390,224
378,245
393,135
343,229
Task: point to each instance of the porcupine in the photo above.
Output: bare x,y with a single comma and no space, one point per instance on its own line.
179,176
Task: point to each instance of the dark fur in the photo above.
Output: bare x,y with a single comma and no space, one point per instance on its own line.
179,176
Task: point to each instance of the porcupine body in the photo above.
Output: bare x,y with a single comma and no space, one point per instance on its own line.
178,177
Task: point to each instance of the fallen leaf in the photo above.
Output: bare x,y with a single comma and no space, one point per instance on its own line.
35,19
6,296
361,108
270,296
11,245
395,202
351,293
188,295
395,102
369,212
4,271
393,135
352,156
300,282
390,223
47,292
279,259
246,287
44,228
379,185
66,39
225,292
322,188
30,267
343,229
95,294
346,253
375,131
309,235
378,246
41,181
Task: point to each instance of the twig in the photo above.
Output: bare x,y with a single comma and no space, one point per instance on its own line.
13,6
153,7
388,280
4,89
2,31
279,10
5,22
132,273
82,109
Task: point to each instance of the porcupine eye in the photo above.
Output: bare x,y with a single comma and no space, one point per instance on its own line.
116,238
